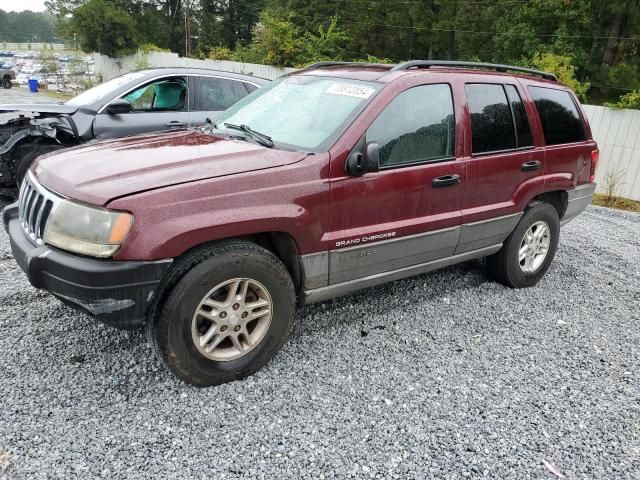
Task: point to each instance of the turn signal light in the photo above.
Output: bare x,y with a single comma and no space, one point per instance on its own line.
595,156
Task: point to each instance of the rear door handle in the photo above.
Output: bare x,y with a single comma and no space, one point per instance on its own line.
532,165
446,180
175,123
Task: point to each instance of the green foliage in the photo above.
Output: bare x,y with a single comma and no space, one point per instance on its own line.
563,68
373,59
105,28
150,47
277,40
327,44
628,100
221,53
27,26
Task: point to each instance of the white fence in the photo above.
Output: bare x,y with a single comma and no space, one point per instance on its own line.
618,135
109,68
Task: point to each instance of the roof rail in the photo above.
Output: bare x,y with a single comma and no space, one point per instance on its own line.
326,64
488,66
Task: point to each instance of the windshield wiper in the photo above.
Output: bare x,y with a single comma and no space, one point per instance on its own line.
261,138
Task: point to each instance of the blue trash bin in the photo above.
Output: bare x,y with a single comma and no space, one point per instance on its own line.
33,85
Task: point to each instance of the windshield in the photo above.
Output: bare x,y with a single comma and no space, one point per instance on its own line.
104,89
304,112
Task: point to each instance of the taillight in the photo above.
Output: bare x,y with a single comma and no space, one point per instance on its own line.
595,156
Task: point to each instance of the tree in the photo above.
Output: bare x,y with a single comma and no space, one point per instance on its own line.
327,44
105,28
563,68
277,40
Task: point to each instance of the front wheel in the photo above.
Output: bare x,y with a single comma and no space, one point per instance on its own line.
227,316
527,253
6,83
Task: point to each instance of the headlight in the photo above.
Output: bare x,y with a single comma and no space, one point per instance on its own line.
86,230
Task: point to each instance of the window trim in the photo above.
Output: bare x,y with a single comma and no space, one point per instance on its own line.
413,163
576,105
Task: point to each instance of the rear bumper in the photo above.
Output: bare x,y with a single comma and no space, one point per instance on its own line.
114,292
578,199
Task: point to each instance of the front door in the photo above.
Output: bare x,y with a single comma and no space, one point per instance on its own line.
161,104
408,213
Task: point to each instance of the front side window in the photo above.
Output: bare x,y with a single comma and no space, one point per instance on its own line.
217,94
168,94
304,112
417,126
561,121
491,121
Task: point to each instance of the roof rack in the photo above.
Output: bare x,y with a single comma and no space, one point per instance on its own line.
488,66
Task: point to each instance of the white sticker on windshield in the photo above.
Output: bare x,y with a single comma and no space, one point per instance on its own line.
351,90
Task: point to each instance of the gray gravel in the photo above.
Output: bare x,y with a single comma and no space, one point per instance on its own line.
21,94
446,375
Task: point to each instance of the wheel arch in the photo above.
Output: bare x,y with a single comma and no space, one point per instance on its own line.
281,244
557,198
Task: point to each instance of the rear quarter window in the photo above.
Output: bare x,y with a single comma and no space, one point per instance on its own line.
559,115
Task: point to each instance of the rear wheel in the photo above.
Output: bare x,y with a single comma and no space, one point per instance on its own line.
527,253
6,83
227,316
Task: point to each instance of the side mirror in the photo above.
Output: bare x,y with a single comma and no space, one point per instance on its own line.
359,162
119,106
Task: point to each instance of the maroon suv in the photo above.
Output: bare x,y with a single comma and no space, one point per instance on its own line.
331,179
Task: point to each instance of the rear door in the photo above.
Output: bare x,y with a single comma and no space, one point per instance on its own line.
160,104
408,213
212,95
568,147
504,163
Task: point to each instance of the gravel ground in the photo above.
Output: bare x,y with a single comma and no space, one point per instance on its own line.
446,375
21,94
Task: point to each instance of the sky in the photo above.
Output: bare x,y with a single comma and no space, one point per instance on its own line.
20,5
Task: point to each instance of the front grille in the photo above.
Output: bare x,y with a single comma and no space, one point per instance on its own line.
35,206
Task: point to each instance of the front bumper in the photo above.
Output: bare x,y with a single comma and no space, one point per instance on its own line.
115,292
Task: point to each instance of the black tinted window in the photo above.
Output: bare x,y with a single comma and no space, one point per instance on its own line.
523,130
560,119
217,93
491,122
418,125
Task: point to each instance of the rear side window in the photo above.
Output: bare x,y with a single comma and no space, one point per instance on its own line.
215,94
417,126
491,121
523,130
561,121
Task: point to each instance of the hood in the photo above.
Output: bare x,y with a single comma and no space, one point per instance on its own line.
103,171
39,107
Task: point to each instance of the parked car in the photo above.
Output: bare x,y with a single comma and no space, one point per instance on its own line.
138,102
7,76
331,179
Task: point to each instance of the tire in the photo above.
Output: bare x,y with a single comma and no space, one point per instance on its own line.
506,265
173,326
6,83
22,164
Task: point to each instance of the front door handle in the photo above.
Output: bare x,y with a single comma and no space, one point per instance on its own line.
532,165
175,124
446,180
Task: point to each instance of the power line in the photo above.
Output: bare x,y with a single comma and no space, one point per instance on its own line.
472,32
